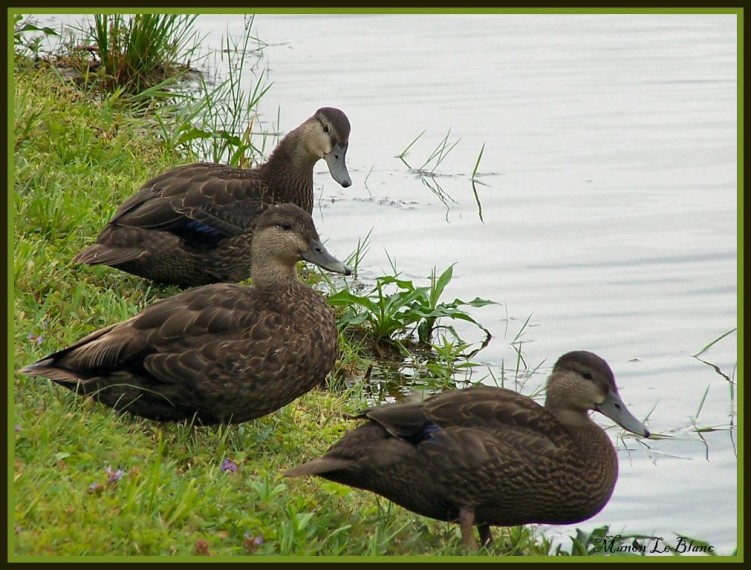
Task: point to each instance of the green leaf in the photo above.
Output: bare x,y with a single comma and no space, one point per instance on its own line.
345,298
440,284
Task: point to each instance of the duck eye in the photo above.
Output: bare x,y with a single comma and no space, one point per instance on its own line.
325,128
286,226
587,375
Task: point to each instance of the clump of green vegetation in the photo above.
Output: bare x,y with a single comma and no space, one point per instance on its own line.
142,50
395,309
399,325
136,59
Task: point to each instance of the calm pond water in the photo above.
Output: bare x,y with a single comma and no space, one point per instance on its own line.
609,207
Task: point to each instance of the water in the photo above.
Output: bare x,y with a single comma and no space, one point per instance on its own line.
609,216
610,211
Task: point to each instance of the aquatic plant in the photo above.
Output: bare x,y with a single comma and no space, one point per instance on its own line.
394,309
219,121
426,171
435,157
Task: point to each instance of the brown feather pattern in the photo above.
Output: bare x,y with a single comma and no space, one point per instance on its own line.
193,224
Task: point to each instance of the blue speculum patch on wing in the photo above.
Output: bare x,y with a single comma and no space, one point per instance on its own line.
424,434
198,232
428,430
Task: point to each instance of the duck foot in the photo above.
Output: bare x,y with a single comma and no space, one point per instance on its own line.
486,537
466,523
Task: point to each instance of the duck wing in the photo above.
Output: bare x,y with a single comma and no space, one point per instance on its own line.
493,409
167,341
466,429
202,203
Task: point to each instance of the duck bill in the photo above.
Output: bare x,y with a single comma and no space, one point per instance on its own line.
614,408
337,165
317,254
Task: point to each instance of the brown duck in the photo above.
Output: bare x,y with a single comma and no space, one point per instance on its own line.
220,353
192,225
489,456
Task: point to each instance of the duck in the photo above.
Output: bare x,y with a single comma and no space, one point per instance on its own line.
220,353
192,225
488,456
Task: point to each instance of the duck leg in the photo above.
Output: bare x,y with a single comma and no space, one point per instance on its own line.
466,523
486,537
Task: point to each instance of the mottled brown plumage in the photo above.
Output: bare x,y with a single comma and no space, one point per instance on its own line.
222,352
192,225
490,456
